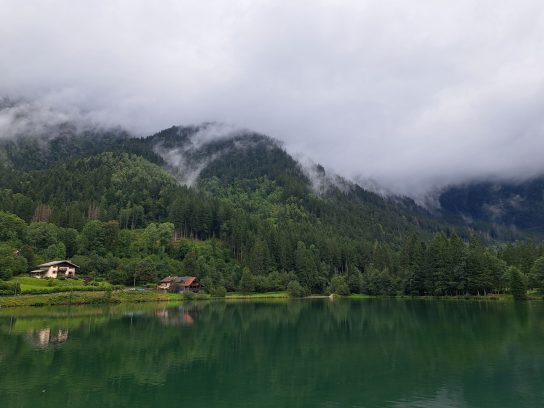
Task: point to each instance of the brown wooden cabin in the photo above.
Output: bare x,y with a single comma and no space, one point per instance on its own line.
180,284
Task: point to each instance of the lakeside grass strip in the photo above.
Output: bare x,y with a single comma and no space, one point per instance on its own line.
86,298
118,297
267,295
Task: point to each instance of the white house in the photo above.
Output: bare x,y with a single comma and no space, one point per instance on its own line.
55,269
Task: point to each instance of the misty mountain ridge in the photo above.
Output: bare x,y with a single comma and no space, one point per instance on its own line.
519,204
196,153
501,208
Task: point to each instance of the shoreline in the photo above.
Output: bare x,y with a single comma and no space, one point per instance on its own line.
85,298
120,297
127,297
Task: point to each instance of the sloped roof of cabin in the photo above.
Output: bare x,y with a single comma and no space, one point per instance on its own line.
53,263
188,280
185,280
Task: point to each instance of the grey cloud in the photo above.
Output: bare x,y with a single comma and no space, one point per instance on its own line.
184,161
19,118
408,96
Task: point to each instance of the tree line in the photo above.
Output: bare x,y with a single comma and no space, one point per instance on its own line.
243,227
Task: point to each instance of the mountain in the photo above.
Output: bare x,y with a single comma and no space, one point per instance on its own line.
229,206
507,210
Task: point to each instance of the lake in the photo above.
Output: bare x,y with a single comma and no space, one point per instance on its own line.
303,353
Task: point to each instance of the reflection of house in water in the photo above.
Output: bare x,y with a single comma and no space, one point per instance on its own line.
47,337
176,316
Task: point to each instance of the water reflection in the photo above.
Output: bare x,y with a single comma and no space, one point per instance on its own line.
179,316
46,337
288,354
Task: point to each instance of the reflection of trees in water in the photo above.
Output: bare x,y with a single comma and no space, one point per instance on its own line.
384,350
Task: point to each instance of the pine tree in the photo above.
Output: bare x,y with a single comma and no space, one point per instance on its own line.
457,266
305,266
536,277
247,284
517,284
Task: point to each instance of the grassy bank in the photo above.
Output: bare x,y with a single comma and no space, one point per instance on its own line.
31,286
494,297
87,298
116,297
128,296
267,295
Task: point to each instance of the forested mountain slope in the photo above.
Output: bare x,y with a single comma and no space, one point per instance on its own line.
233,208
508,208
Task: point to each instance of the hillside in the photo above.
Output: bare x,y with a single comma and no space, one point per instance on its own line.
506,209
243,213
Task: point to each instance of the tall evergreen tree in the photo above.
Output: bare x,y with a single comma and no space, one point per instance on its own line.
517,284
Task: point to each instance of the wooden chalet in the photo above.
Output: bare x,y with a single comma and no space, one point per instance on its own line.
180,284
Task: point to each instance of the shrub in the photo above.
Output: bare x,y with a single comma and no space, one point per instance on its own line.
202,296
189,295
218,292
260,283
517,284
295,290
9,288
339,286
246,284
10,263
537,275
379,282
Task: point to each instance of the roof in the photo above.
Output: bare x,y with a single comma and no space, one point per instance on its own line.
39,271
53,263
185,280
188,280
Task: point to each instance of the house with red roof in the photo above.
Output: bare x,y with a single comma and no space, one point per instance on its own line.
180,284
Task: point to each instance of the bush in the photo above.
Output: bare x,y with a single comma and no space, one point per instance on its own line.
295,290
246,284
9,288
537,275
339,286
7,285
202,296
379,282
277,281
189,295
11,263
260,283
355,281
517,284
60,289
218,292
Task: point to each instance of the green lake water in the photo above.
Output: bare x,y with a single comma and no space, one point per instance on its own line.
307,353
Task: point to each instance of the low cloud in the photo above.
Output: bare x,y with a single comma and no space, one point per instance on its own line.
184,160
37,119
408,96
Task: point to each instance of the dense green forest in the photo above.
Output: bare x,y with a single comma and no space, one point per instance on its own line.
252,220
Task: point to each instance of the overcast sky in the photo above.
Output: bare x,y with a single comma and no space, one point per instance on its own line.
412,94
